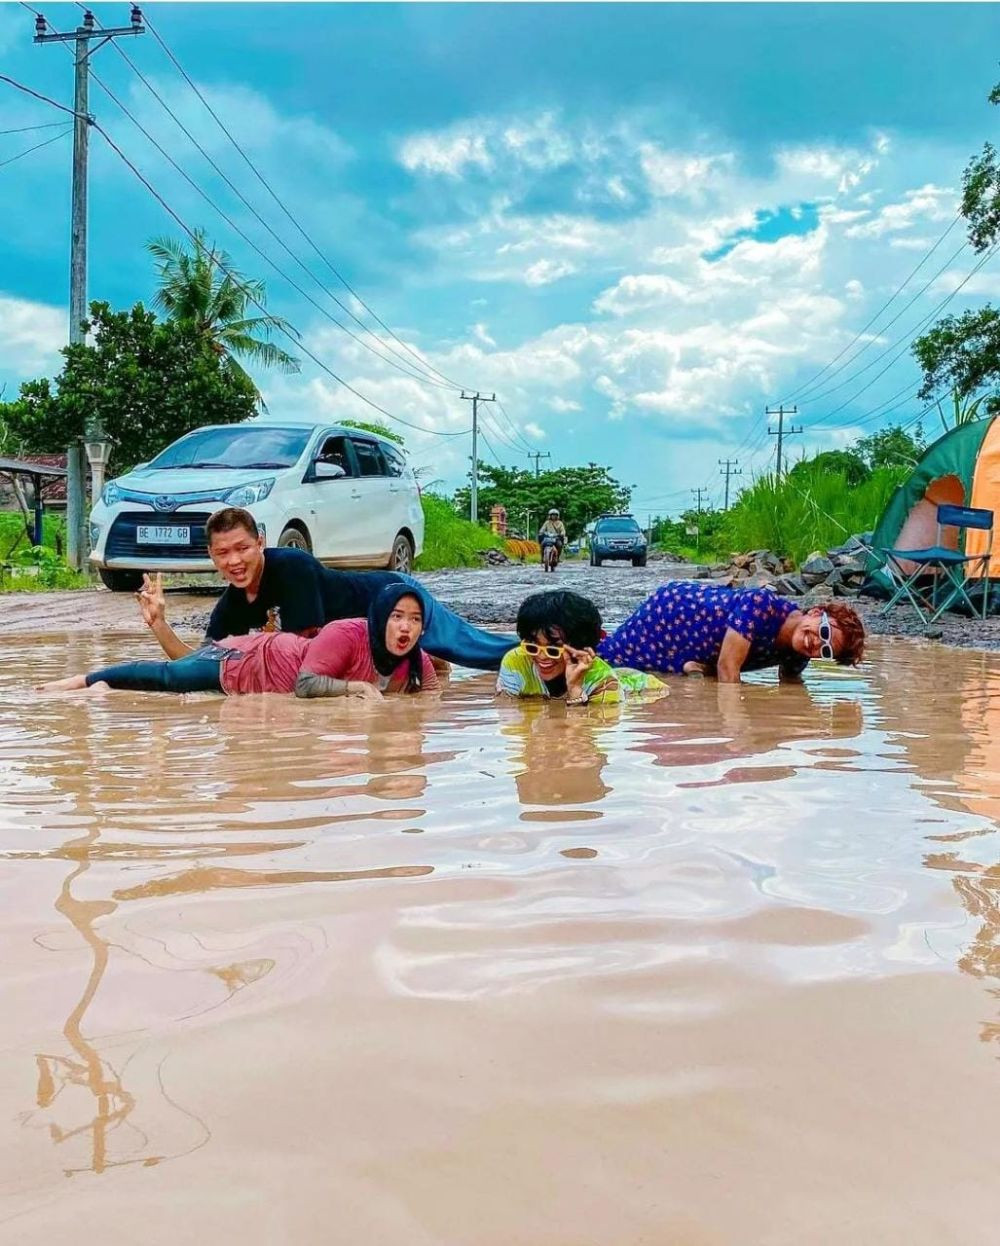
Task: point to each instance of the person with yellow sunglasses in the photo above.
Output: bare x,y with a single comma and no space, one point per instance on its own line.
559,633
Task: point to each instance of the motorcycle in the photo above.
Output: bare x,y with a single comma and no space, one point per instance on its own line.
551,552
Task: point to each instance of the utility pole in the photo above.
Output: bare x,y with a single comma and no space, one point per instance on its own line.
95,441
697,493
475,399
781,432
536,456
730,467
697,528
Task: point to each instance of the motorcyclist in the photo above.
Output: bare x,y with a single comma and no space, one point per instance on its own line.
553,529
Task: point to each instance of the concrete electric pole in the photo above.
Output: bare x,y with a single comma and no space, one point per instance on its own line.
781,432
536,456
730,467
95,442
475,399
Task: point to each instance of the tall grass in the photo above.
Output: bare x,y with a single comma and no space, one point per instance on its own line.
449,540
811,509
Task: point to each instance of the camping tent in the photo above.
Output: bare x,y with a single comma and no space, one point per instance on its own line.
962,468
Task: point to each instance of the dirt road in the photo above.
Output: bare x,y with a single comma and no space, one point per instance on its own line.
487,596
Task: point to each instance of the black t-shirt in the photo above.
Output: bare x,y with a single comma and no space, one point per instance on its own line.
307,595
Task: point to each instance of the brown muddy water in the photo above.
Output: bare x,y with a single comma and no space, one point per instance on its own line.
719,969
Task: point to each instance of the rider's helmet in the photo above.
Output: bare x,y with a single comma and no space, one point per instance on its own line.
553,513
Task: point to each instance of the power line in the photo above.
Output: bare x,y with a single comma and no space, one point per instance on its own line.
517,432
864,329
251,297
23,129
906,340
37,147
406,367
871,364
36,94
246,237
267,186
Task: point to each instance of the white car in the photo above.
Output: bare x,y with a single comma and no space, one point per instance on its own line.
345,495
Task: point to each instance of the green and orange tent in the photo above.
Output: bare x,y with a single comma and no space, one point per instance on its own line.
962,468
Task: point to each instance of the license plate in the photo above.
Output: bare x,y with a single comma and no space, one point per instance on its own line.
150,534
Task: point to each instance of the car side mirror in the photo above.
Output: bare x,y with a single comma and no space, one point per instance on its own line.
327,471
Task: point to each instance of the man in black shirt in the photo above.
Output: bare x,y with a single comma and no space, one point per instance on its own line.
290,590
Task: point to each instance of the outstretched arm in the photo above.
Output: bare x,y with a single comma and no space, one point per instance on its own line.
732,655
153,604
309,684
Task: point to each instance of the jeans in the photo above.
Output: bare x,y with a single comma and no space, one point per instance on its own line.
448,636
200,671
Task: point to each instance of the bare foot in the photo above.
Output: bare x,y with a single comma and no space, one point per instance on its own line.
69,684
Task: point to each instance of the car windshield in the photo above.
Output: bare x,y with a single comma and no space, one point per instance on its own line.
618,525
234,448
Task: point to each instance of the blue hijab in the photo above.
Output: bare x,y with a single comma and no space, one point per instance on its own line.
378,617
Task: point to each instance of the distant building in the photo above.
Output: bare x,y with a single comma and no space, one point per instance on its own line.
53,493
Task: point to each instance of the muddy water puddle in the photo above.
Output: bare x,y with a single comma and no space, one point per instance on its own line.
720,969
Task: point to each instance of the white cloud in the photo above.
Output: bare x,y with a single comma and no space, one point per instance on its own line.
535,431
31,336
644,290
481,335
980,285
680,173
844,166
854,289
449,153
562,405
544,272
928,203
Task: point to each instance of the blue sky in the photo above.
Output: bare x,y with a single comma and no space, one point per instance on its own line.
638,224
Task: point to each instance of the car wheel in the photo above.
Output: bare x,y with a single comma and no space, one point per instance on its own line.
639,562
295,538
120,581
401,558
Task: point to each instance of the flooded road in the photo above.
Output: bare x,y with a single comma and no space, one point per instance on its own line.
722,969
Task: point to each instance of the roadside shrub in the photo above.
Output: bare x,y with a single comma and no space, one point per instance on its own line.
450,540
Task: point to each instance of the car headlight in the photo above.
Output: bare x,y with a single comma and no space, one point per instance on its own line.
246,495
111,494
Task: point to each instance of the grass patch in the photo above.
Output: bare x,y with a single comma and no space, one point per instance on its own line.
449,540
35,569
814,510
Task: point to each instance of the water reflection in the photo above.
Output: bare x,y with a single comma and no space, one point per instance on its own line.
594,904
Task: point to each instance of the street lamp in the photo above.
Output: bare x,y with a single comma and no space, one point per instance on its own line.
98,453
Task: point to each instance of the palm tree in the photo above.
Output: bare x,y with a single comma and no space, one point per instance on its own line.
201,288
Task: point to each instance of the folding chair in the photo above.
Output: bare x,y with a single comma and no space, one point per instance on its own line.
952,571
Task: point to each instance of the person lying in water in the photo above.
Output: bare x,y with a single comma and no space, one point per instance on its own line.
559,631
348,658
290,590
690,627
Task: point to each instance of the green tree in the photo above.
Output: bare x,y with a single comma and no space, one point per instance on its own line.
890,447
580,494
149,381
200,288
847,462
376,427
962,353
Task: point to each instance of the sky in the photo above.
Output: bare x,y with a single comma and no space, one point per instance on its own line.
637,225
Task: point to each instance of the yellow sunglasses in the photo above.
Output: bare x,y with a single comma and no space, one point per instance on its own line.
542,651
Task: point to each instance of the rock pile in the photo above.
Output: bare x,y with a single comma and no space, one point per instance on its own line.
838,572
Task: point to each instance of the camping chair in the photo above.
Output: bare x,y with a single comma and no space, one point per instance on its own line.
952,570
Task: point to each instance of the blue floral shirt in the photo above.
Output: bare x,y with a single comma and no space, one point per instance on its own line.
687,620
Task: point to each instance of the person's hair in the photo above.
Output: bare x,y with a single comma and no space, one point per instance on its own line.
228,520
577,617
851,628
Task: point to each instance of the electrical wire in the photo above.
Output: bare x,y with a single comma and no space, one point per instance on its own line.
36,94
517,432
252,298
23,129
426,364
242,233
406,367
37,147
864,329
